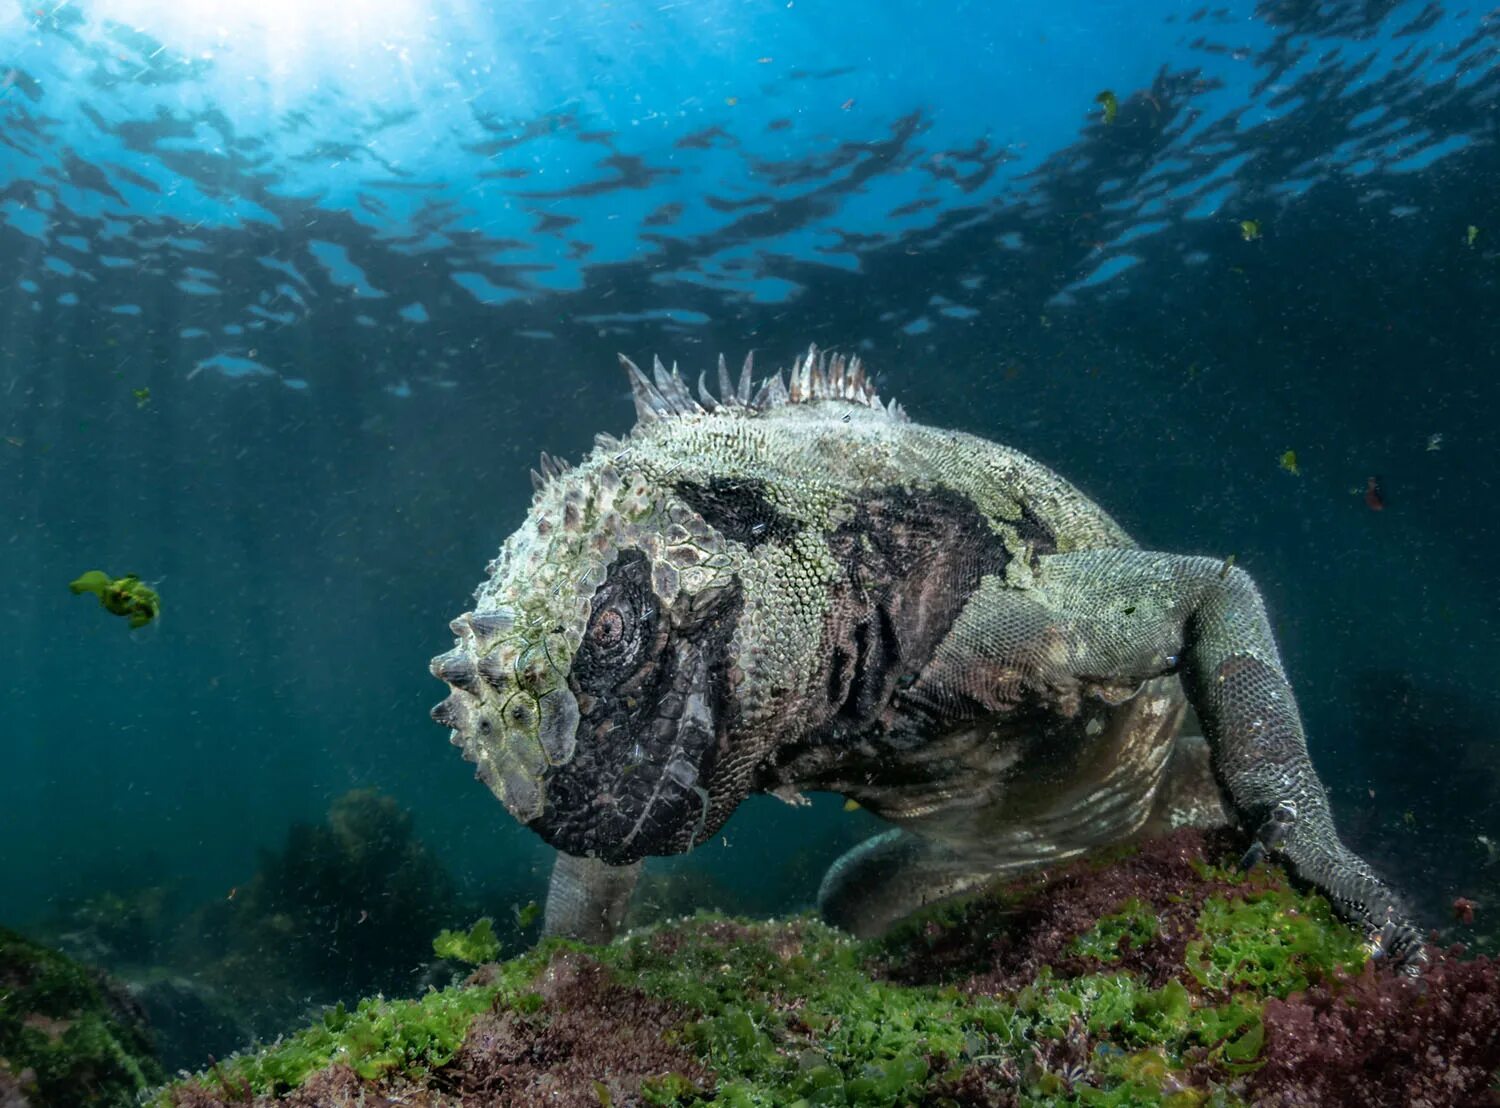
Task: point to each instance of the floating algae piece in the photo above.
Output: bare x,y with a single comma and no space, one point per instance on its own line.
1109,103
126,596
1249,229
1288,462
527,915
474,946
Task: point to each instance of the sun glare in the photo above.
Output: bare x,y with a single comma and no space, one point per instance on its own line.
277,34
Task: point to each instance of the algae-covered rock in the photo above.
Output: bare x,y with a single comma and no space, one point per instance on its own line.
67,1037
1150,976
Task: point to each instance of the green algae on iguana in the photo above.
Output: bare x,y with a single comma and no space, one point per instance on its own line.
65,1038
794,1013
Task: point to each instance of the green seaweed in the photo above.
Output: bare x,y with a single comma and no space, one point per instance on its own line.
795,1013
126,596
377,1037
475,946
1135,921
848,1040
1273,941
526,915
667,1088
62,1028
856,1041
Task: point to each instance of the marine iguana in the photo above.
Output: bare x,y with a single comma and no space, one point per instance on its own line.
793,587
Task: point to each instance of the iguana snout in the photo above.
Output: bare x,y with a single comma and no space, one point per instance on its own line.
590,685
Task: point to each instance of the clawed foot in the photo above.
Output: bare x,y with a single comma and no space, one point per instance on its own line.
1389,938
1271,835
1400,944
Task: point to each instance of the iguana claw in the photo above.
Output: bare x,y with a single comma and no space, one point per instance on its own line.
1401,944
1272,834
1393,940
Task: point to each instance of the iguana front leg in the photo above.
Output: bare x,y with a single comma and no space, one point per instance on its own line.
1126,614
587,899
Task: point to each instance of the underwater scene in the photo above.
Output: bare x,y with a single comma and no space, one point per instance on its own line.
749,553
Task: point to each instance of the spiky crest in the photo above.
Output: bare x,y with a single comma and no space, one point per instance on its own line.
814,376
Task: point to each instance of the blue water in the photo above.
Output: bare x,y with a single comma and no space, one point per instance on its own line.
370,259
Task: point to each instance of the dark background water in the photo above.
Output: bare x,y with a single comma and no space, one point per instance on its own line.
363,301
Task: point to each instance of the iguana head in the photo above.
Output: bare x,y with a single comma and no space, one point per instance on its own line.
602,683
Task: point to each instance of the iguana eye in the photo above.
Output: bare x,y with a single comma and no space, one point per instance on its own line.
607,628
624,631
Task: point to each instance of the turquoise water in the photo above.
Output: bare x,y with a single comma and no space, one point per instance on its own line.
292,299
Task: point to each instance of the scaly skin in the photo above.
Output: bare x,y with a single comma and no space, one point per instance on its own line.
796,588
